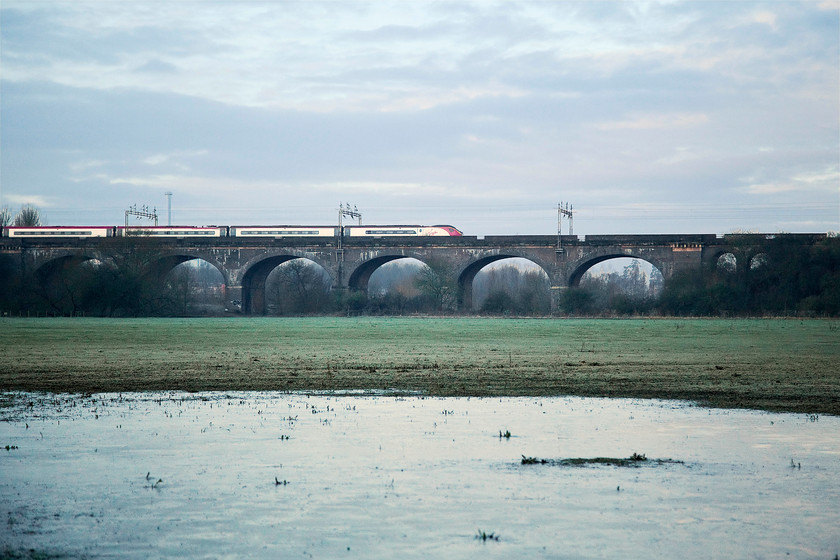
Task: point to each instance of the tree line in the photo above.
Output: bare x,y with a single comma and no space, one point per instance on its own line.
126,285
786,276
633,291
28,215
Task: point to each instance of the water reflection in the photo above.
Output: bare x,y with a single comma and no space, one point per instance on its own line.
174,474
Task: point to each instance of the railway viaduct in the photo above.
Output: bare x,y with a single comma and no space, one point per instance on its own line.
246,263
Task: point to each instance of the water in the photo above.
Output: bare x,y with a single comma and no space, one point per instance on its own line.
410,477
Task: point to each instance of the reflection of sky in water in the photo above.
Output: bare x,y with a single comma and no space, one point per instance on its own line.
412,477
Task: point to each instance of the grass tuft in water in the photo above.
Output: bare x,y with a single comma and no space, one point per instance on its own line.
485,536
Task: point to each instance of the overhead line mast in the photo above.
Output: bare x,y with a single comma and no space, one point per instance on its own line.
350,212
564,209
142,212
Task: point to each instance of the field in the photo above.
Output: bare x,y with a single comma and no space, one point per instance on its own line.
778,365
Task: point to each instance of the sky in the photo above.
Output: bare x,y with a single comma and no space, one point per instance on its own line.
645,117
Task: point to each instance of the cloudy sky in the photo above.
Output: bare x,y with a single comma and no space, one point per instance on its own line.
648,117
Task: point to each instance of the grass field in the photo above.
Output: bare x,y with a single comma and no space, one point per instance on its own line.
780,365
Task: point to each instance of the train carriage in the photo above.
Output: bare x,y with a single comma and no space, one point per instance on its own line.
58,231
401,231
171,231
283,231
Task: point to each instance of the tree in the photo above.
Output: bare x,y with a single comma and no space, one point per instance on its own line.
132,284
438,281
11,288
350,302
630,292
5,217
578,301
634,281
499,302
180,286
393,289
193,288
511,290
59,286
29,216
300,286
535,293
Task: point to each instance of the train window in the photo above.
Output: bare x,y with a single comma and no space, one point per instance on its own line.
167,232
63,233
273,232
390,232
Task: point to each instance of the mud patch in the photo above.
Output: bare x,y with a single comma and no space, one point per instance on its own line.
634,461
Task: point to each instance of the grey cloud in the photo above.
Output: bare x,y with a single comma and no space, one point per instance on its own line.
46,36
157,66
516,104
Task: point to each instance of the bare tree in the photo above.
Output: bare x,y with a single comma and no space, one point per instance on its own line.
28,216
629,292
180,286
634,280
510,289
193,288
5,217
535,293
438,281
301,287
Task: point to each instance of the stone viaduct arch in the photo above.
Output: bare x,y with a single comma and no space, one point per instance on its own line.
472,268
50,269
159,268
465,265
55,279
359,275
582,268
246,263
156,265
54,271
254,273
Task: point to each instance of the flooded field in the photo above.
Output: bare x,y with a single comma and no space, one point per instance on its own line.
271,475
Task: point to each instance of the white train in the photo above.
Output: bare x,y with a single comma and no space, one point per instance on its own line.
231,231
58,231
281,231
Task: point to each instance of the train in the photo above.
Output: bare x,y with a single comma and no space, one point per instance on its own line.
284,231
